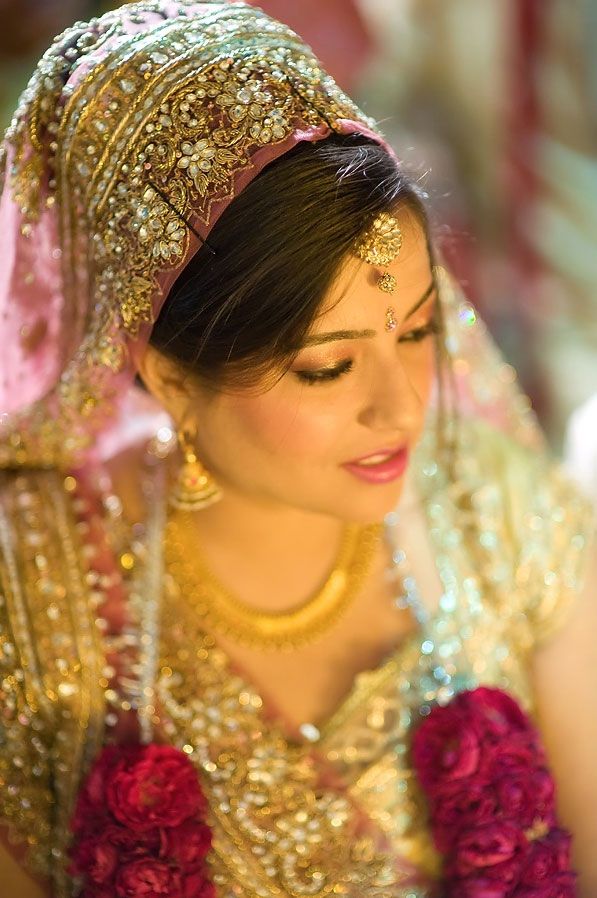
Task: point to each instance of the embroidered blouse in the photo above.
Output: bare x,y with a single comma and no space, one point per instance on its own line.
340,815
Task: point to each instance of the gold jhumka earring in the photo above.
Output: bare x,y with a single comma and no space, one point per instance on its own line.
380,245
195,487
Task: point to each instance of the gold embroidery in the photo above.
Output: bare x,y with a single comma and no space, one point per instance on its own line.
277,829
58,719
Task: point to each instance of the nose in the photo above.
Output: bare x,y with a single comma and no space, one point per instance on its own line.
392,403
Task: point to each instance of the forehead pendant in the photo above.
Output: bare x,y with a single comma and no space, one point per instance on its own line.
380,245
391,323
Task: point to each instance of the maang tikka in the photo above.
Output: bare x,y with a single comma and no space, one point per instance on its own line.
380,245
195,487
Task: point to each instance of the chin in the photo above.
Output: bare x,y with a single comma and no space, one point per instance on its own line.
372,508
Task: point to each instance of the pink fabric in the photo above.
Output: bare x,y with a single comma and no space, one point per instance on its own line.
31,306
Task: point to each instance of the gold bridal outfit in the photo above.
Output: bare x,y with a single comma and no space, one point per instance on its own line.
134,134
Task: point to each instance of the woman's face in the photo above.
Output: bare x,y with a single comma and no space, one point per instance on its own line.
304,442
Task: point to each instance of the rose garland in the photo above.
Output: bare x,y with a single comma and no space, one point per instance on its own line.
139,827
491,800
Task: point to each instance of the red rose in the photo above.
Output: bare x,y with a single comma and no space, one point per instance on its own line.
563,885
186,845
445,748
476,887
148,878
482,765
560,843
524,795
138,827
500,714
456,807
98,858
516,752
95,891
153,785
91,804
547,858
131,842
197,885
485,847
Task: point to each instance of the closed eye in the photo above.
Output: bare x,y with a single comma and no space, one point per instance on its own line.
419,333
323,375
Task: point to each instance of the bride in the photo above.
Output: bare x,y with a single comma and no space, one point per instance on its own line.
294,601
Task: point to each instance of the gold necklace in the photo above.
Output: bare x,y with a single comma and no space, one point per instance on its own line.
226,614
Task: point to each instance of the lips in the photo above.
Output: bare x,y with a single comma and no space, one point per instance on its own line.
376,457
380,467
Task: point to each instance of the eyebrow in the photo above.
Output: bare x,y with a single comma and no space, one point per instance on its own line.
318,339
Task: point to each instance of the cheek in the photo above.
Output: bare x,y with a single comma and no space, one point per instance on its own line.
295,426
422,370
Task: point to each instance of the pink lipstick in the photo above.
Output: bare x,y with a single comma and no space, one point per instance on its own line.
381,467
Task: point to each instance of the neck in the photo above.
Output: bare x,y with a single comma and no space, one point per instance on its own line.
270,554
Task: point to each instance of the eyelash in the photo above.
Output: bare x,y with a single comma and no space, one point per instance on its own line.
325,375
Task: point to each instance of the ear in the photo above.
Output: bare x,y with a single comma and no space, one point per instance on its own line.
167,381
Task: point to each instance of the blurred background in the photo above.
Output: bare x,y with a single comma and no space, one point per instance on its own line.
493,105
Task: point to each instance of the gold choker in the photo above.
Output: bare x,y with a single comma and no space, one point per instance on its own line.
285,630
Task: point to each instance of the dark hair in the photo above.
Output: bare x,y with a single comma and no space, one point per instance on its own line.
241,312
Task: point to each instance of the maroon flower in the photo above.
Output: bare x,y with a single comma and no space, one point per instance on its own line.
560,843
198,886
547,858
500,714
95,891
139,829
476,887
98,857
490,794
148,878
91,811
517,752
455,808
524,794
445,748
156,786
485,847
186,845
563,885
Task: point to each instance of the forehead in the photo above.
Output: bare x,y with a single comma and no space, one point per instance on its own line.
355,287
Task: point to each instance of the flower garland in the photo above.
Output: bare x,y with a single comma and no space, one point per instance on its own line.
491,800
139,827
140,832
